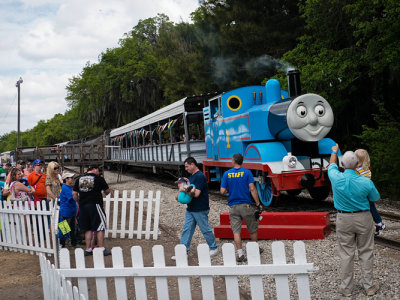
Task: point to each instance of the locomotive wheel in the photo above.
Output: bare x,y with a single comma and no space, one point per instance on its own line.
319,193
265,192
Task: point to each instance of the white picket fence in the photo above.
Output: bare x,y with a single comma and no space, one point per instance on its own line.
55,286
23,225
124,223
26,228
122,275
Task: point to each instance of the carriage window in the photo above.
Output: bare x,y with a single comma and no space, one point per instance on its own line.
215,108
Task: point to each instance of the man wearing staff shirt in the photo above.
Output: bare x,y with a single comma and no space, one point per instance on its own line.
239,182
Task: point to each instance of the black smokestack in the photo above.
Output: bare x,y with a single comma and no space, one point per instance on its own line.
294,83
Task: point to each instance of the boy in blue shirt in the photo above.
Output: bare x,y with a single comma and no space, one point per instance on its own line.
184,197
239,182
68,207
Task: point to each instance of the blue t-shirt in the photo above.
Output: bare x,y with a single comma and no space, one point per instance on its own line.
68,205
201,203
351,192
237,182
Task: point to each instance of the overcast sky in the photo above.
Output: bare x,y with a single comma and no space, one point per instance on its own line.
46,42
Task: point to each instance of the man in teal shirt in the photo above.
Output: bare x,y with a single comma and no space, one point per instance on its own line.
354,222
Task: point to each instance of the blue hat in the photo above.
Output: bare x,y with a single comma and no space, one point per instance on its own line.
37,161
181,179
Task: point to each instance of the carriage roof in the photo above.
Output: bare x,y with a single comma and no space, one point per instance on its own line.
187,104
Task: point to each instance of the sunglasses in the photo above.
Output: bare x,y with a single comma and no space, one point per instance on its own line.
57,168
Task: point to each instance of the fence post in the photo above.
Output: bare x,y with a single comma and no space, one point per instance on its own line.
156,215
281,281
140,282
101,282
54,230
256,283
120,283
207,283
231,283
161,281
303,285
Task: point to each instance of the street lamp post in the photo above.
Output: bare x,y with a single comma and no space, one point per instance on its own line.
18,84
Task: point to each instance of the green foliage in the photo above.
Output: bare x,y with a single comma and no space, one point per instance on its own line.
350,55
58,129
244,40
383,143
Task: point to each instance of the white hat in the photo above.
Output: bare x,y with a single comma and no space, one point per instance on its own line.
66,175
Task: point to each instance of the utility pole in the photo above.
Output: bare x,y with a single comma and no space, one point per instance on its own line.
18,84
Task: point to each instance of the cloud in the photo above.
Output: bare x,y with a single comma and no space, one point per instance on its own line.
48,41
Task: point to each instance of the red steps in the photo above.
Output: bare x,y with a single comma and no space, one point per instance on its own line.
282,226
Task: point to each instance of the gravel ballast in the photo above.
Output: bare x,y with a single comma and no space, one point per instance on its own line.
323,253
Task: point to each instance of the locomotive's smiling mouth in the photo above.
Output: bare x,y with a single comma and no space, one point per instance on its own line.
314,132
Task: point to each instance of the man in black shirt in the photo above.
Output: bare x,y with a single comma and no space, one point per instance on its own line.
87,191
197,210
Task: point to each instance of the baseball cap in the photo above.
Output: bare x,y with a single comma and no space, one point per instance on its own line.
37,161
91,167
181,179
66,175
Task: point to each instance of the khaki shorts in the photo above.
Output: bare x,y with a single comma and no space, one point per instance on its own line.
245,212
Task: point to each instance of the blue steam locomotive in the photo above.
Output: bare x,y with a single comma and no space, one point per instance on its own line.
281,135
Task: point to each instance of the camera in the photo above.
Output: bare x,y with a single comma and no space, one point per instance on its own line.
257,214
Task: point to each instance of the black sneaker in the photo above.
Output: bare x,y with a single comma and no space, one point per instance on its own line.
88,253
106,252
241,259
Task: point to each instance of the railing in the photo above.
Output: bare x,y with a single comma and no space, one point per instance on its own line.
176,152
125,216
255,270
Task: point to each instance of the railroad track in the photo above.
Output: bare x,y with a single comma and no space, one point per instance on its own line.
390,215
381,241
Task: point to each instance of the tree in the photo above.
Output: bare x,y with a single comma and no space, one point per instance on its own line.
349,54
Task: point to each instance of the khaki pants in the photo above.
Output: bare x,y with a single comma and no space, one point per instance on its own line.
355,230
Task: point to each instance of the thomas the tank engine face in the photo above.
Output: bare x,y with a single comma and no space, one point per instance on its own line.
310,117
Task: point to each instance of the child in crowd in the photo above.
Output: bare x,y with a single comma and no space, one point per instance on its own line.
2,185
68,207
363,169
184,194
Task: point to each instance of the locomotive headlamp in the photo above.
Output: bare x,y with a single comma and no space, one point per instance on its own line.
289,162
292,162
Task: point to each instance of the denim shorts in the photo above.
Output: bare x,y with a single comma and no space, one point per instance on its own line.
245,212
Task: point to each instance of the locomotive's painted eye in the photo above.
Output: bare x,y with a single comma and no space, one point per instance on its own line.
319,110
301,111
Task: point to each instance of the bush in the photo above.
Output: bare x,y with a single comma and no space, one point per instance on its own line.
383,143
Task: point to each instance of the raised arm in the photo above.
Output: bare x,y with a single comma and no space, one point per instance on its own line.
333,158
